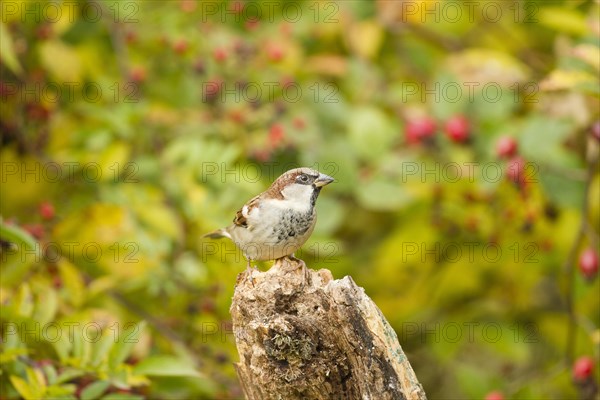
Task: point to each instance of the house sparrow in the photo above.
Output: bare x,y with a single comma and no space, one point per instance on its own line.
278,221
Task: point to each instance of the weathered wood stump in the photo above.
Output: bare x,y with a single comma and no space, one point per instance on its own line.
302,335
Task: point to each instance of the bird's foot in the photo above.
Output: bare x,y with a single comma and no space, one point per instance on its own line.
293,258
302,267
249,271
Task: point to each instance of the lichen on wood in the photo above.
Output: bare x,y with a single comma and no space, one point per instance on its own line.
301,334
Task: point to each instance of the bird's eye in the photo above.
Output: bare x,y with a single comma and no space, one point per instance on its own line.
303,178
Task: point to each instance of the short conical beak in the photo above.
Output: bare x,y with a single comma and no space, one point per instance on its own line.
323,180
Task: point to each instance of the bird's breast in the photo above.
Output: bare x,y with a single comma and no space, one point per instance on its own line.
293,224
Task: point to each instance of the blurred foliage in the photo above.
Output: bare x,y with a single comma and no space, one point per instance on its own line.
129,129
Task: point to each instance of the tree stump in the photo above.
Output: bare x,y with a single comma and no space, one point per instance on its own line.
302,335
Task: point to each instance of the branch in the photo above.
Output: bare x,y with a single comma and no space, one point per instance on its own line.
302,335
569,267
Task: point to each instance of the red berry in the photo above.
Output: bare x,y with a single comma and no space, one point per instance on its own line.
131,37
180,46
457,129
37,112
299,123
588,263
188,6
137,74
57,282
35,230
44,31
237,116
252,24
515,170
262,155
419,129
211,89
494,396
506,147
220,55
275,53
285,28
595,130
276,134
7,89
46,210
237,7
583,367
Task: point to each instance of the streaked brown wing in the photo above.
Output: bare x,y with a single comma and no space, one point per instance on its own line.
240,219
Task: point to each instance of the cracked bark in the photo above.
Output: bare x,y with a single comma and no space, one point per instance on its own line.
302,335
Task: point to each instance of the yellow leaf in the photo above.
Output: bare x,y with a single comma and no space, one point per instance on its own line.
113,162
589,53
46,304
327,64
36,379
564,80
72,282
23,388
365,38
61,60
25,301
486,66
563,19
7,52
34,179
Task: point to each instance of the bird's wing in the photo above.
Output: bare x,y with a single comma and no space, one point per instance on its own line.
241,217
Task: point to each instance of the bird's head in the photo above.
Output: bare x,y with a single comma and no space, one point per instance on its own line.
301,185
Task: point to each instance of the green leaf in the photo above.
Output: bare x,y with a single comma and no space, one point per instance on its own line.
68,375
14,234
25,300
62,346
122,396
94,390
50,373
62,392
379,194
9,355
36,380
165,366
370,132
472,380
122,348
542,140
46,305
81,348
101,348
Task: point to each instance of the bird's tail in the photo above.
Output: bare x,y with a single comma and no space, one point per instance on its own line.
218,234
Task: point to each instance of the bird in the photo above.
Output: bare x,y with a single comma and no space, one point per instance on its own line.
277,222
